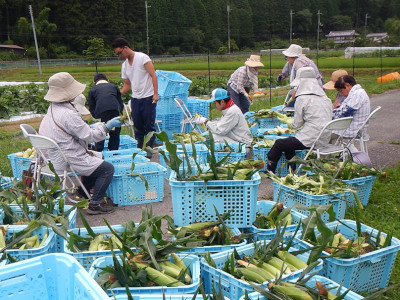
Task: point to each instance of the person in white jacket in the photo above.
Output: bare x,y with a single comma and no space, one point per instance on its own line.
312,110
232,126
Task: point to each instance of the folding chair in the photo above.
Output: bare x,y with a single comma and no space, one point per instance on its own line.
285,108
339,146
362,137
187,116
27,129
43,144
127,108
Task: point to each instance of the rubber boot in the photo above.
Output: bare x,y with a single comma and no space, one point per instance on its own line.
139,143
271,166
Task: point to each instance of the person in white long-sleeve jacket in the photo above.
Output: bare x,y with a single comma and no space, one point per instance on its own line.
232,126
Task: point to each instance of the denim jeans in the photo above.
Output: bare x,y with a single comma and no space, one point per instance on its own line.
288,146
113,142
99,180
143,116
239,99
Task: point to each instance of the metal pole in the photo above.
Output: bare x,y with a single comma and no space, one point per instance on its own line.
319,22
366,18
229,31
147,27
34,37
291,23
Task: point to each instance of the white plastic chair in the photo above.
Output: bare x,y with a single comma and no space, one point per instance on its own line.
43,144
127,108
339,146
362,137
27,129
187,116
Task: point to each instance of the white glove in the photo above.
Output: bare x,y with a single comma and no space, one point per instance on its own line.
200,120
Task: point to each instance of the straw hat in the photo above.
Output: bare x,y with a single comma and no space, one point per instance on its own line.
219,94
330,85
79,104
63,87
293,51
254,61
305,73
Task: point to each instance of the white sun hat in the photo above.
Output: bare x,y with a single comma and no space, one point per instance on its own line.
293,51
79,104
63,87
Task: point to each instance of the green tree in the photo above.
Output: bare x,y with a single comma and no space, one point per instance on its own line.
24,32
96,48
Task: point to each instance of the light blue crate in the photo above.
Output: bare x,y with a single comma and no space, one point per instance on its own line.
282,168
232,287
237,154
329,284
166,105
121,157
48,277
18,165
215,248
289,197
49,246
261,132
367,272
194,201
160,297
190,260
201,155
265,207
86,258
126,189
125,142
171,83
200,106
6,182
170,120
364,188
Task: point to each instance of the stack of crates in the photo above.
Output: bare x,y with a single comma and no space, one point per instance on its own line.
171,85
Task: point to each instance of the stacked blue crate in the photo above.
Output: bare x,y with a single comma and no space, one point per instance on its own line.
171,85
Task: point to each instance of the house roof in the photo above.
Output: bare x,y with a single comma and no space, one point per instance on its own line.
12,47
342,33
377,34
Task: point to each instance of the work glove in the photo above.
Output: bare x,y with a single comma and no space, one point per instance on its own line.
250,97
200,120
115,122
280,77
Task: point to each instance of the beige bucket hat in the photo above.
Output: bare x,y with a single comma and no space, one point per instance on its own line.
63,87
254,61
79,104
293,51
330,85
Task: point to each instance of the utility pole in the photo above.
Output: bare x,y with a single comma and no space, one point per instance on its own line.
34,37
291,23
319,24
366,19
229,31
147,26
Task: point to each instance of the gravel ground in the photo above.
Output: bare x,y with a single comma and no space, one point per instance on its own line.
383,147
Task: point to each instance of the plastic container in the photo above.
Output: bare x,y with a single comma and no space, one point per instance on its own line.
126,189
329,284
160,297
282,168
201,155
125,142
18,165
121,157
364,188
389,77
232,287
237,154
171,83
367,272
215,248
200,106
6,182
166,105
261,132
189,259
265,207
289,197
86,258
49,246
170,120
54,277
194,201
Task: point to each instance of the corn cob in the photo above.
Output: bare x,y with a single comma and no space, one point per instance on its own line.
174,271
279,264
291,291
250,275
158,277
262,272
94,244
292,260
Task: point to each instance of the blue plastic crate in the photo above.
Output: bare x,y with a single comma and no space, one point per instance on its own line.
265,207
125,142
159,297
49,246
166,105
261,132
215,248
126,189
6,182
170,121
190,260
201,155
237,153
53,277
289,197
367,272
232,287
169,132
364,188
194,201
86,258
200,106
19,164
171,83
282,168
122,157
329,284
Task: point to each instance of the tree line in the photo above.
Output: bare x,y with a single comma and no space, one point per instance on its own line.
68,28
